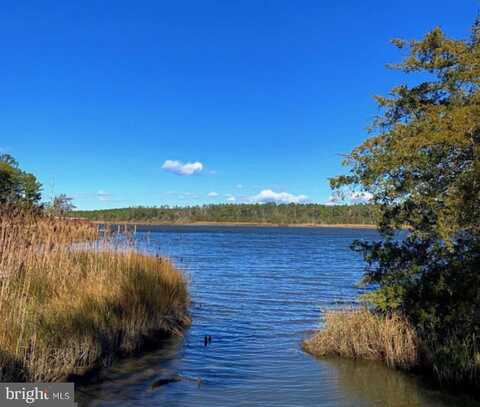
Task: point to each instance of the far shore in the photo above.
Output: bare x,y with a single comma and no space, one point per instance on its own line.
240,224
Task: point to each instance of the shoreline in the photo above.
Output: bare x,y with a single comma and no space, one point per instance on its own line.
240,224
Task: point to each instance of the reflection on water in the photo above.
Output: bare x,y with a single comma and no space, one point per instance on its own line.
371,383
257,292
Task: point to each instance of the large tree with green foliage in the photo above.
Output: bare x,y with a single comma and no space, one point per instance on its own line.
17,186
421,163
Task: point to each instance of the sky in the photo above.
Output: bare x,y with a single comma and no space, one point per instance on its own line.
152,103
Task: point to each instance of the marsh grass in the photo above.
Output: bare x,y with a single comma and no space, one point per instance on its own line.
67,308
454,361
451,360
360,334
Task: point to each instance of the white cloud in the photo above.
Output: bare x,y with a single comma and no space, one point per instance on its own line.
269,196
103,196
179,168
350,197
332,201
360,197
100,195
212,194
192,195
230,198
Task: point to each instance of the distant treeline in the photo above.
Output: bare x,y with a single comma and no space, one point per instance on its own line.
257,213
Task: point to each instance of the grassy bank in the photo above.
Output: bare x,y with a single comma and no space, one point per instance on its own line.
361,334
66,309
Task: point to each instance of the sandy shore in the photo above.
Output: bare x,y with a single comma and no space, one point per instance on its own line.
242,224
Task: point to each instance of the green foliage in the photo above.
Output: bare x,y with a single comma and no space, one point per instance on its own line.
257,213
17,186
422,165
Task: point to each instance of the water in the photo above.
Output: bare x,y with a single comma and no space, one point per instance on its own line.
258,292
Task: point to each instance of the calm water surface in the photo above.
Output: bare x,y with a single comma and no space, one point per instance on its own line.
258,292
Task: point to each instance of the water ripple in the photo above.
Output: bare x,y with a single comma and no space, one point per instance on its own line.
258,293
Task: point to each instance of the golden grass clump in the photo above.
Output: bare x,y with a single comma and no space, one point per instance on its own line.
360,334
67,307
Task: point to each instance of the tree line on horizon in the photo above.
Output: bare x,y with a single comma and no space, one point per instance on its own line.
256,213
22,189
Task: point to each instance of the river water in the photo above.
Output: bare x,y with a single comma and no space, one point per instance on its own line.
258,292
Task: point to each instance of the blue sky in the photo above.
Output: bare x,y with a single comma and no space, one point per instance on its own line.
106,100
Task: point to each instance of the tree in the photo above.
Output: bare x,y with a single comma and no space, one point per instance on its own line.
8,186
17,186
421,163
30,188
61,205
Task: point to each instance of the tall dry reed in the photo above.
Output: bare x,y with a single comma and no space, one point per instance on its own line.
67,307
360,334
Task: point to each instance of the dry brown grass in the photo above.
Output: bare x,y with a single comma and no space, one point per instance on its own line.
65,309
360,334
